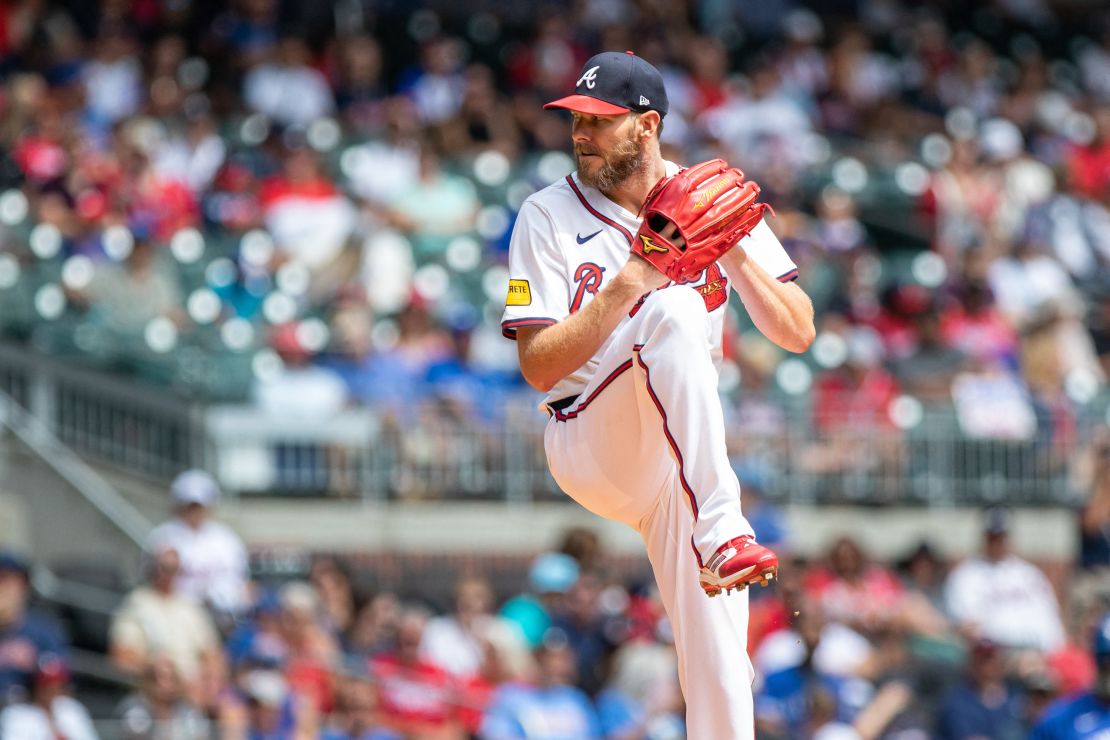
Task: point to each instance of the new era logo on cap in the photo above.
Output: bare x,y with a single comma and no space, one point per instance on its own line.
613,83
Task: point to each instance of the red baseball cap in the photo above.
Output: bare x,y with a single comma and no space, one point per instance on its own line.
613,83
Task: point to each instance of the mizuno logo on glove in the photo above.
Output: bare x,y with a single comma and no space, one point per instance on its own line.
650,246
710,194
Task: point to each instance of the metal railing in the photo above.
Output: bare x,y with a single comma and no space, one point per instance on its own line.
443,450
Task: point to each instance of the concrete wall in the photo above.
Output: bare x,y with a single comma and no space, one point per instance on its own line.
1044,534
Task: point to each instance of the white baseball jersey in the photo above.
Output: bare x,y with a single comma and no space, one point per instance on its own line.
570,239
640,435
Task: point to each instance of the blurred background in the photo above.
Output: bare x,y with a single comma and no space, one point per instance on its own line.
264,242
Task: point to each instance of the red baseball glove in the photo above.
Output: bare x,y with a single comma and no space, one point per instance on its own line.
711,206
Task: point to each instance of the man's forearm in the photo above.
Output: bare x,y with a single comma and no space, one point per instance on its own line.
549,354
781,311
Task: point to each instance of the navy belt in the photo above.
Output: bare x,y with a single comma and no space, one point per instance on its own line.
563,403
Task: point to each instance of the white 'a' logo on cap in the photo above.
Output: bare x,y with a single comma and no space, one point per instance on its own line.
589,77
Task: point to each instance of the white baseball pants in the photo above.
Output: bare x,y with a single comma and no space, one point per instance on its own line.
644,444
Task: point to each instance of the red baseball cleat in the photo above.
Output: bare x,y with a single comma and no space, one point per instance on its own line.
737,563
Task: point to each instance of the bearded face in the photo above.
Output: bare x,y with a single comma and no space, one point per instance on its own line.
606,170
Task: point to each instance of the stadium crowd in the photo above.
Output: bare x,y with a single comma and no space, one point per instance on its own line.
843,646
308,205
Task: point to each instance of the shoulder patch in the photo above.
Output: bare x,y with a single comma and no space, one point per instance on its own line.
519,294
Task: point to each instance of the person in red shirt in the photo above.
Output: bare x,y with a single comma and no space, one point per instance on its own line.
973,325
854,591
416,697
851,412
1089,165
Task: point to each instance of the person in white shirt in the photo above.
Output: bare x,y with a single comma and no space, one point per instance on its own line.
458,642
51,713
1003,598
214,566
156,620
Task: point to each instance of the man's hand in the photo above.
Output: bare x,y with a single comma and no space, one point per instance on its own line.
640,275
693,217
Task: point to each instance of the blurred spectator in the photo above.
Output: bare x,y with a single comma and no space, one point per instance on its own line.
437,85
1089,164
854,591
1088,714
455,642
308,216
642,700
781,706
436,208
359,87
927,372
160,710
851,411
586,628
50,713
550,577
551,710
984,706
301,389
125,296
286,88
417,697
924,612
157,620
1001,597
214,567
356,712
193,155
113,79
973,325
375,628
311,653
263,708
838,650
26,636
331,578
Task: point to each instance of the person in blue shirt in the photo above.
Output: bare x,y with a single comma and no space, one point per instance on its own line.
25,635
1086,716
553,709
983,706
784,704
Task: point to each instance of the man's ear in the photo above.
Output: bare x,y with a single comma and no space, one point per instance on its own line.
649,123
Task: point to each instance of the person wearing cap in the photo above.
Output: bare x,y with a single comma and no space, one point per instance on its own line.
1086,715
550,577
25,634
214,565
1002,597
629,363
51,712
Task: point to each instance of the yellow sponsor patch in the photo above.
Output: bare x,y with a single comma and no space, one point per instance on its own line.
519,294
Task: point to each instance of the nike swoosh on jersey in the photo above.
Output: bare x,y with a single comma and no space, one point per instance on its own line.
583,239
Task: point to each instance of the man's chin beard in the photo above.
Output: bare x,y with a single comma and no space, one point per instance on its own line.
627,161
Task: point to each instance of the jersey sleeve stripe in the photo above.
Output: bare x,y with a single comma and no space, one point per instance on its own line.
786,277
596,213
508,328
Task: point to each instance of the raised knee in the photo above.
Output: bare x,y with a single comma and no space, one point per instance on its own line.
677,303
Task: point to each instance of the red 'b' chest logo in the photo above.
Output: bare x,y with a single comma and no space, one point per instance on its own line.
588,277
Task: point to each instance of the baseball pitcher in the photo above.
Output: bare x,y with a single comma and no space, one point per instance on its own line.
619,280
